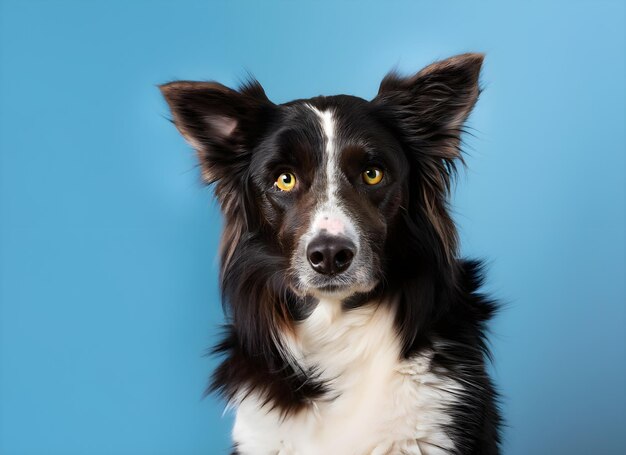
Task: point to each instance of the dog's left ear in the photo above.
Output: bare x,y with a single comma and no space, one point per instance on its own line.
431,106
427,111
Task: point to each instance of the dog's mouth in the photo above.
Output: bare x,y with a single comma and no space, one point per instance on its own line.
327,286
336,287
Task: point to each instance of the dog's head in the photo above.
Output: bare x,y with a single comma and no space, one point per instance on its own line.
336,190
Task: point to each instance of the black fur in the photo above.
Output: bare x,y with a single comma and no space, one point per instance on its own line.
413,126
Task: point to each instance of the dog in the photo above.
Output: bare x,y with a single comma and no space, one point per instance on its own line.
354,327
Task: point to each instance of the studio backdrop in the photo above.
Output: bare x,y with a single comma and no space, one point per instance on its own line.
109,296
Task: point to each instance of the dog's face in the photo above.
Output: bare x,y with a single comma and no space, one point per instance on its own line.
324,182
329,178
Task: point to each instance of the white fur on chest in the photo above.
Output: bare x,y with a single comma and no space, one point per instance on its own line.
377,404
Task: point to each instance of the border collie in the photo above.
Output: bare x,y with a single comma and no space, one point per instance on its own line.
354,327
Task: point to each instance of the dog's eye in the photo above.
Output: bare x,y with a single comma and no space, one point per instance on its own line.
372,175
285,181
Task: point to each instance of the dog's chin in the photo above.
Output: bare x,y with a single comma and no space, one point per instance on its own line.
332,292
338,291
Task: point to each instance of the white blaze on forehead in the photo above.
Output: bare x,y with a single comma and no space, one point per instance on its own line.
329,215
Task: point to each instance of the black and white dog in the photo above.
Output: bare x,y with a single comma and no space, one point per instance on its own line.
354,326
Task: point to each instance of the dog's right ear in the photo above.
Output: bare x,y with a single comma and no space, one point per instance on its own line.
222,124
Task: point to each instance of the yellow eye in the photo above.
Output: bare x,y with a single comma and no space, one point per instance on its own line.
286,181
372,175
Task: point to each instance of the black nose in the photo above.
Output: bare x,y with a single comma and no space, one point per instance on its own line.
330,255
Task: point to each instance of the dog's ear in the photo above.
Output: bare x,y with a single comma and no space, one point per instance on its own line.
222,124
427,112
432,105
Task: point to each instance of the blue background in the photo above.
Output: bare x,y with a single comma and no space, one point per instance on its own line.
108,240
